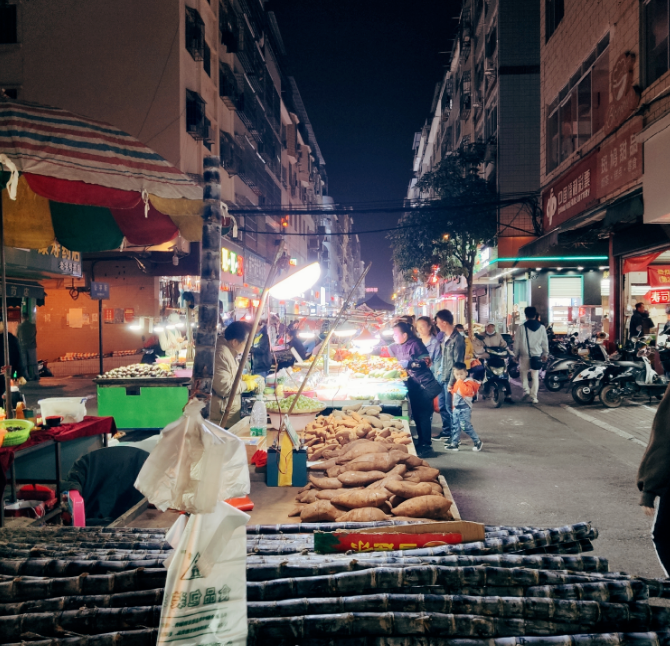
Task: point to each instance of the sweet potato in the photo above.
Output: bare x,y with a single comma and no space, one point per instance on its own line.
394,501
398,469
325,483
402,441
372,462
412,461
435,507
307,496
296,510
321,510
364,498
363,515
329,494
381,484
361,449
360,478
335,471
410,489
422,474
323,466
373,421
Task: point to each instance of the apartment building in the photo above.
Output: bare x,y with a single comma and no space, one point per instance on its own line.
490,95
190,78
604,156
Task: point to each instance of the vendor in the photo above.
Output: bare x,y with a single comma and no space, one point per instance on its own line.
226,364
294,342
261,357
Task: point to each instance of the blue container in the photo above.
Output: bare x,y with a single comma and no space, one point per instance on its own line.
299,468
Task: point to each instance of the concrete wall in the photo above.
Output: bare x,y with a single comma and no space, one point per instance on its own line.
129,288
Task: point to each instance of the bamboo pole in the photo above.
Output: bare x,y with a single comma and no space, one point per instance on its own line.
326,341
6,368
269,282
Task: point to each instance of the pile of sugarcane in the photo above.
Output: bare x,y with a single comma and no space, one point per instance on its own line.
521,585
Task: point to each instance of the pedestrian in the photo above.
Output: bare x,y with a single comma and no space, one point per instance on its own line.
463,391
666,327
530,347
422,387
640,322
226,364
294,342
427,332
452,346
27,334
653,481
261,357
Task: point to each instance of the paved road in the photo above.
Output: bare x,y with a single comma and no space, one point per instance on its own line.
557,463
552,464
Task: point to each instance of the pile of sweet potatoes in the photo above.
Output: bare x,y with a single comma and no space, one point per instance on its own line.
366,480
354,422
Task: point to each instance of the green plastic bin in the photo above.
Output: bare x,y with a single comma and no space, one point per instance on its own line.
137,407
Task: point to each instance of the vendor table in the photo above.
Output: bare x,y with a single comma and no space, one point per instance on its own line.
143,403
42,459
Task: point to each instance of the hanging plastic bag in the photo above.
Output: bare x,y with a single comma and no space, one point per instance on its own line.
205,600
194,465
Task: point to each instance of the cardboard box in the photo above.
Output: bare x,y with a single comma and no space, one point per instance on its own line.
400,537
254,444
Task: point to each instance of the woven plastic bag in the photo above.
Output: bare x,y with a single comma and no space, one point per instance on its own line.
194,465
205,599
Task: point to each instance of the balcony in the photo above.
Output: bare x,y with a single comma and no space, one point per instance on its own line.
195,116
466,106
465,37
229,32
195,34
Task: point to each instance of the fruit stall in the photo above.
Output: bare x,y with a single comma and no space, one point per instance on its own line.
142,395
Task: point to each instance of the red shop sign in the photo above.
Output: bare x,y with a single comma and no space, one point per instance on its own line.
658,275
570,194
620,159
128,315
658,296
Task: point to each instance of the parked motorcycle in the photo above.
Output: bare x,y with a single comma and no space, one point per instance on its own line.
640,379
495,384
43,369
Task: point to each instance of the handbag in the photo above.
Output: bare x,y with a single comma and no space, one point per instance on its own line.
535,362
425,379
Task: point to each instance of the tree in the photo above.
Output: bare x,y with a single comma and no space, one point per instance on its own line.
445,232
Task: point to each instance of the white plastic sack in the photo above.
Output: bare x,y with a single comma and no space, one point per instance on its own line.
194,465
205,599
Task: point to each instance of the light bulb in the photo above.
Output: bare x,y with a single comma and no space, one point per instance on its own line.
306,335
296,283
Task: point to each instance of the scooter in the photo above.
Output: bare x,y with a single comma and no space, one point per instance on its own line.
639,380
495,385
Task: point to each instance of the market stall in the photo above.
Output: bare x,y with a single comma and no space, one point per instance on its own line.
142,396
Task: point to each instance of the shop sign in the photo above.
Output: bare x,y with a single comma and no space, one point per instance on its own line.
658,275
57,259
232,262
99,291
656,296
241,303
620,160
571,194
254,269
624,95
128,315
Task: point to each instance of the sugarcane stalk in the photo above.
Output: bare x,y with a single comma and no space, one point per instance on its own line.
161,547
326,341
60,567
82,556
118,638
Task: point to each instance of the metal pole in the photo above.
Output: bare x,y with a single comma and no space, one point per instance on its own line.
5,331
269,281
326,341
102,369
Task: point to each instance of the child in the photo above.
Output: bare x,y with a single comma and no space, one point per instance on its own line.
463,390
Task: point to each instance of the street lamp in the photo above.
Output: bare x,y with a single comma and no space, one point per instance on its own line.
296,282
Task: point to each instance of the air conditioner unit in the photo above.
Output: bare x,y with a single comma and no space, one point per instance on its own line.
489,68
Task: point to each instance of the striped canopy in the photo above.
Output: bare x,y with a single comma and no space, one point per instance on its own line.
87,185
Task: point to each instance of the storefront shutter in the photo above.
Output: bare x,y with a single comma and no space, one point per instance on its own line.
565,287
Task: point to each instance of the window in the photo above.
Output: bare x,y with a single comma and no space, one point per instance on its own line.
553,14
228,30
579,110
11,92
195,115
251,227
492,123
207,59
8,25
195,34
656,22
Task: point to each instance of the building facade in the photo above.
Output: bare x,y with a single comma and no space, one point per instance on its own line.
190,78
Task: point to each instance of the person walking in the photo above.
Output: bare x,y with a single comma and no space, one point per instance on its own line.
653,481
422,387
530,345
463,391
226,364
261,357
27,334
452,346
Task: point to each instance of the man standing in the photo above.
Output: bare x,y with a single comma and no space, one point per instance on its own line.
453,351
530,345
638,320
27,333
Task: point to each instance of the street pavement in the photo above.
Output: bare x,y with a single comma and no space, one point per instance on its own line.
558,463
546,465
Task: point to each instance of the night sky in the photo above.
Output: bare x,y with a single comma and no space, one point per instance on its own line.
366,70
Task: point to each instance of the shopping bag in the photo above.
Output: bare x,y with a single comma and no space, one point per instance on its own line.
194,465
205,599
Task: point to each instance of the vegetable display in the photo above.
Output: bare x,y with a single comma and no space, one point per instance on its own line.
304,405
139,371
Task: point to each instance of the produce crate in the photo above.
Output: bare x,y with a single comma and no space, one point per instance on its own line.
137,407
